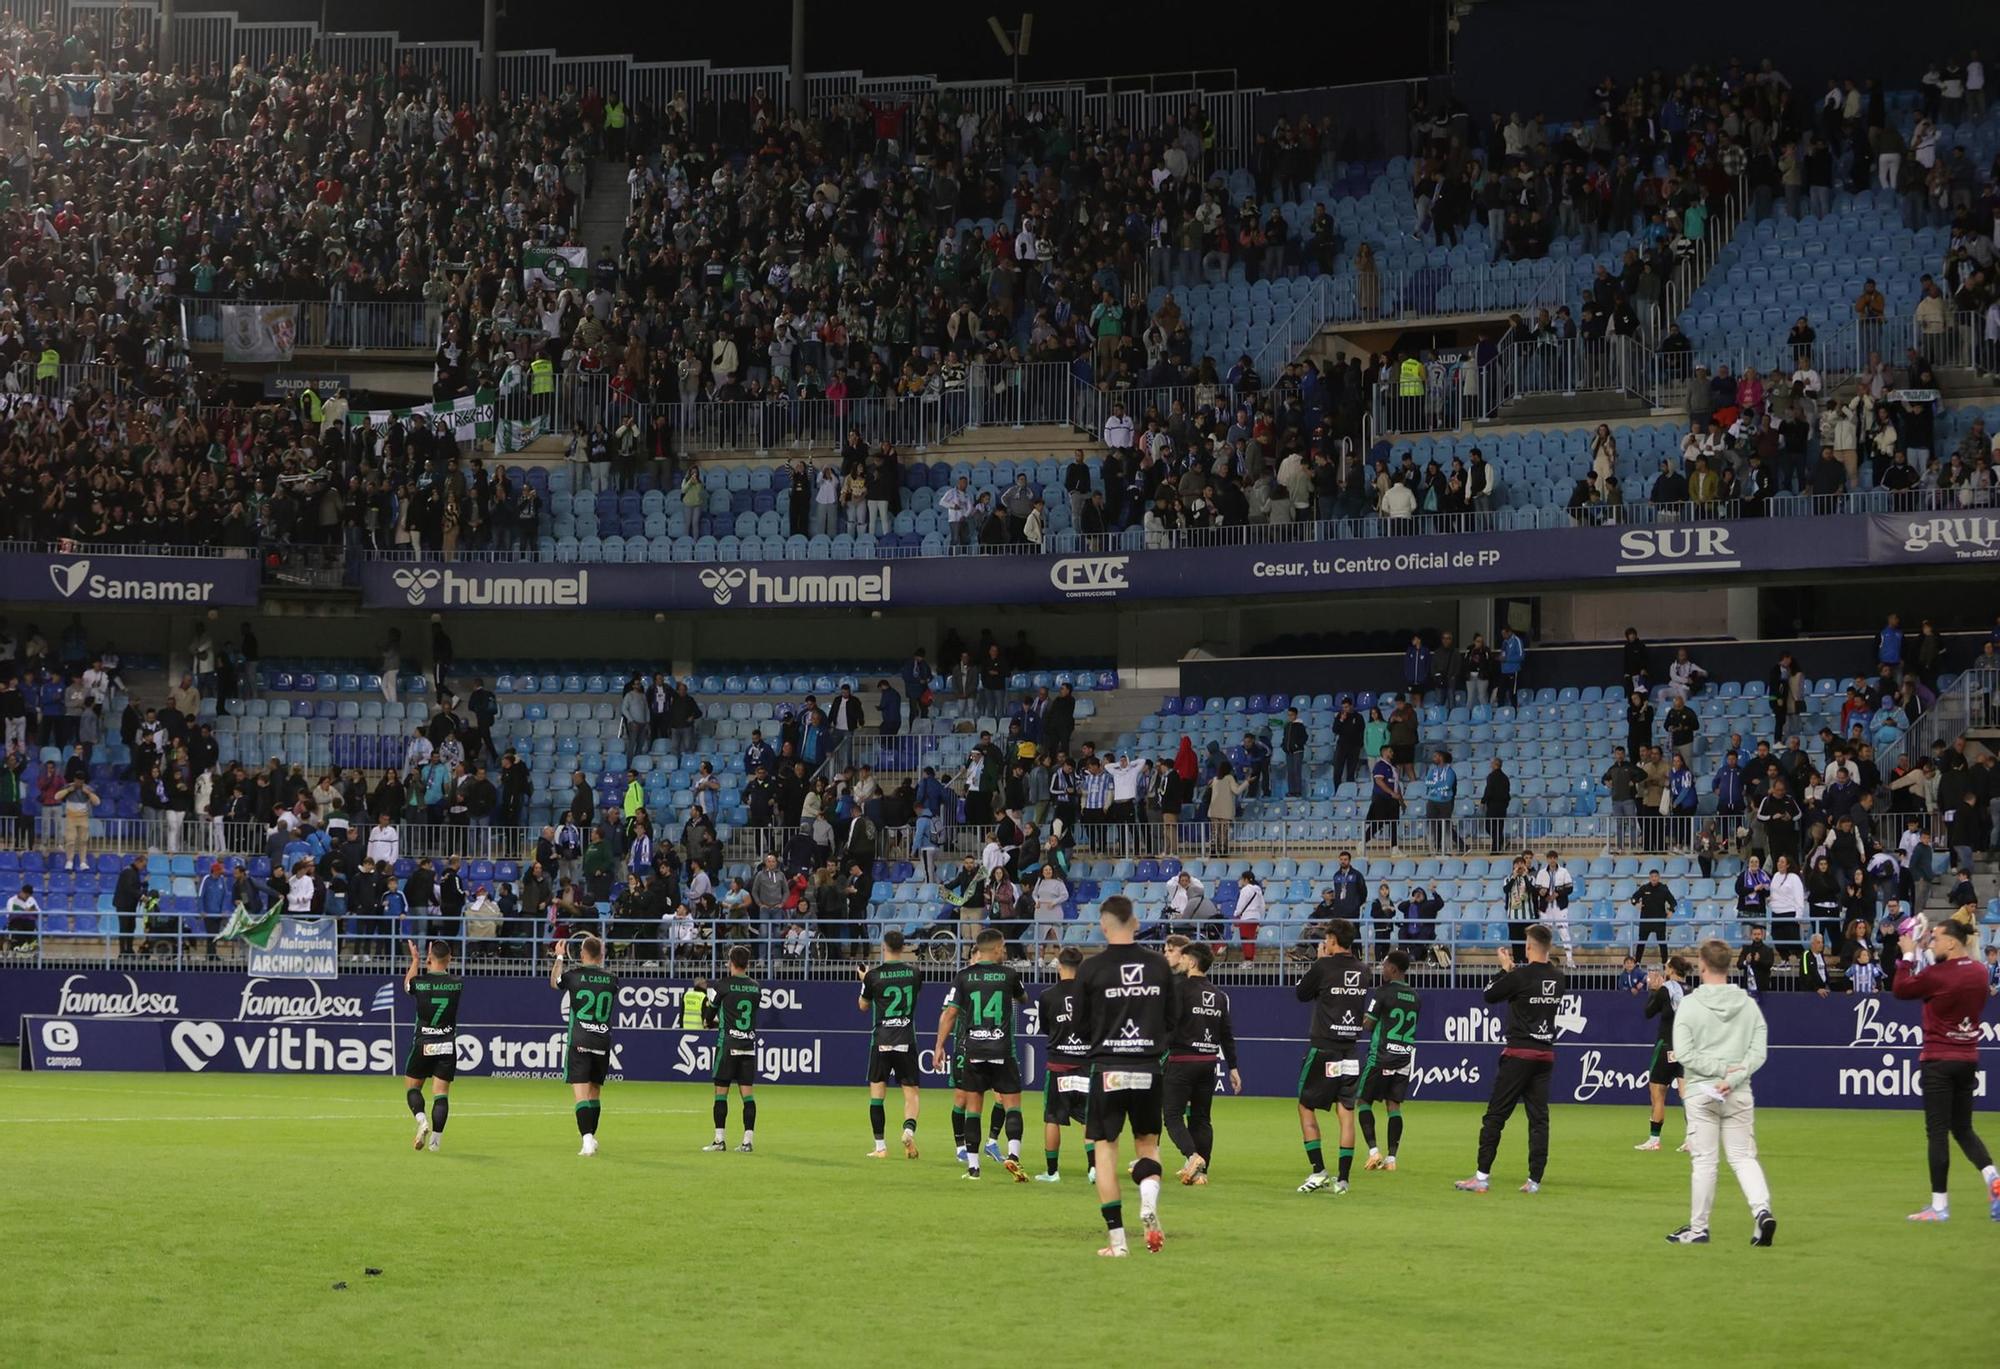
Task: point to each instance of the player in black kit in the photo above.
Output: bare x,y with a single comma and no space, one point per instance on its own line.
1337,987
434,1043
1066,1082
1533,994
1203,1043
732,1011
1391,1023
1663,1002
590,989
981,1008
889,996
1129,1002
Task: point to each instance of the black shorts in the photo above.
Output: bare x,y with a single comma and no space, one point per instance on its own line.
1385,1086
1327,1080
442,1065
1140,1106
893,1067
735,1069
1061,1106
990,1076
587,1065
1662,1070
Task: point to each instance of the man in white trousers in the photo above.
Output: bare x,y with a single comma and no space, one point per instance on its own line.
1719,1040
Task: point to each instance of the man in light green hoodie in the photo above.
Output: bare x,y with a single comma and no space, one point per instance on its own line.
1719,1041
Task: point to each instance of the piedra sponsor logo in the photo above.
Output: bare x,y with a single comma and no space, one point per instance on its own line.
75,580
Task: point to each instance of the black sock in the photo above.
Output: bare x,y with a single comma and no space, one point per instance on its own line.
999,1120
1654,1128
1366,1116
909,1126
1313,1154
970,1136
440,1110
592,1111
1050,1157
1346,1163
958,1126
1013,1129
721,1111
1395,1131
415,1098
749,1114
876,1117
1114,1215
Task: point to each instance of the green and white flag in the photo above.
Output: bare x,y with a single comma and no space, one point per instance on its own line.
517,433
258,931
470,417
555,266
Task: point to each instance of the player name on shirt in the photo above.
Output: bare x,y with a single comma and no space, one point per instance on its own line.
733,1014
891,992
436,998
985,996
590,990
1392,1045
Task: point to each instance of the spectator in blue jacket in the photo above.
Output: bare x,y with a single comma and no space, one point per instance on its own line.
1684,798
1416,669
214,898
1728,786
1889,642
917,684
1440,793
932,795
1513,654
891,705
1348,887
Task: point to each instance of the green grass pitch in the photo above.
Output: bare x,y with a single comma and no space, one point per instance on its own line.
186,1220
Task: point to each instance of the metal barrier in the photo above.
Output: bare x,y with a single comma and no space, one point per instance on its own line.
331,325
1569,366
1454,951
1856,343
1718,233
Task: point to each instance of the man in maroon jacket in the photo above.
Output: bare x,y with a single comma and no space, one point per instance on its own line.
1953,990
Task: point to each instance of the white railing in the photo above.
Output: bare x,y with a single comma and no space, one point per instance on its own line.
329,325
1723,221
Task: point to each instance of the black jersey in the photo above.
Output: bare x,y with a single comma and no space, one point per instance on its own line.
890,990
1130,1004
1392,1040
732,1011
1533,995
985,996
1663,1003
1204,1030
590,990
436,997
1057,1009
1337,987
